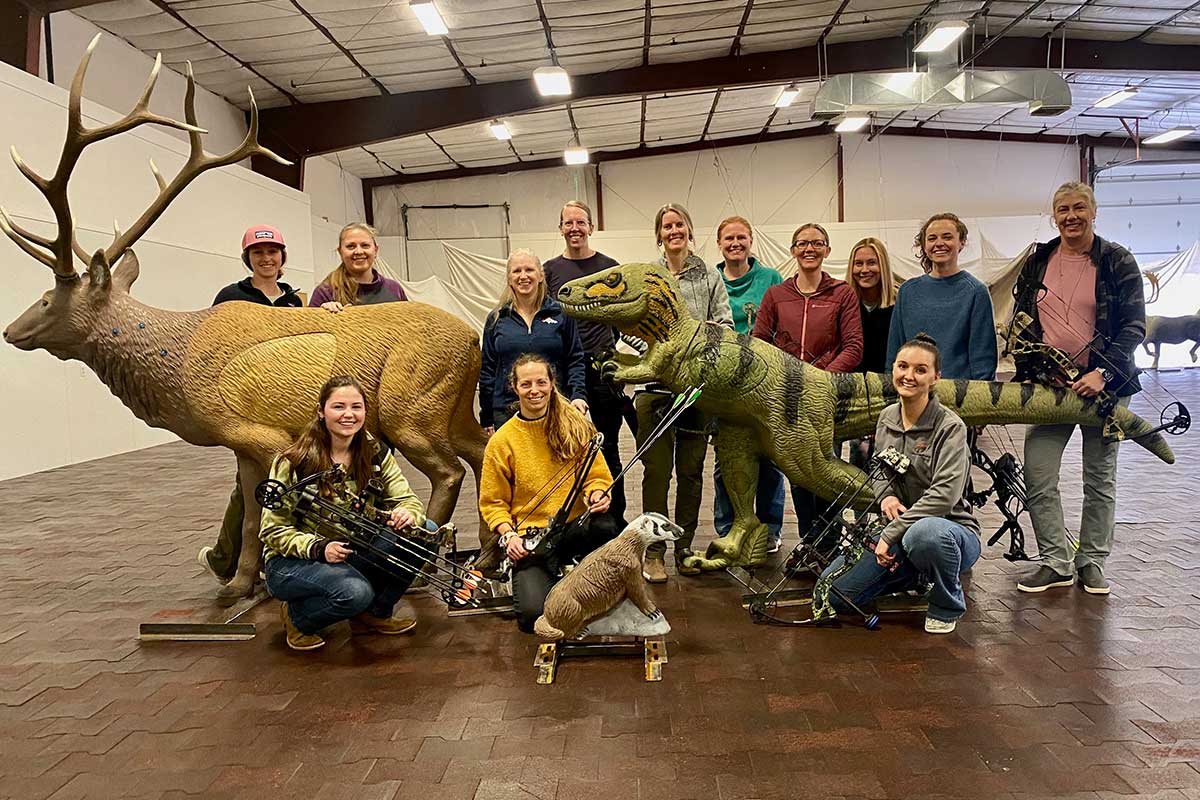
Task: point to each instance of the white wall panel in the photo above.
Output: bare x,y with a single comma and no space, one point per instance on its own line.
118,72
772,183
189,254
534,197
905,176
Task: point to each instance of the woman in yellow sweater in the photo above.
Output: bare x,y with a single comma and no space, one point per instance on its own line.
520,485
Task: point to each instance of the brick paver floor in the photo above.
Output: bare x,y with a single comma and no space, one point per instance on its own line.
1061,694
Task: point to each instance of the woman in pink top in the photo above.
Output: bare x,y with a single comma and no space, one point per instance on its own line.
815,318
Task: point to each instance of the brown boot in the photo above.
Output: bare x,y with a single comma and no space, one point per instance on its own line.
389,626
296,639
653,568
680,568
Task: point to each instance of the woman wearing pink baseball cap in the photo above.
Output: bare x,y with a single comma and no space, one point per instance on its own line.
264,253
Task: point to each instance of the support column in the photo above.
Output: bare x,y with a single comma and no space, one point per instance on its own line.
841,182
599,221
20,36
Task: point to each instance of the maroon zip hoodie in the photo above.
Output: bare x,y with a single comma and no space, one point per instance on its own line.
824,329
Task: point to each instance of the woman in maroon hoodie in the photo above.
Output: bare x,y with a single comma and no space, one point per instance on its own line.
815,318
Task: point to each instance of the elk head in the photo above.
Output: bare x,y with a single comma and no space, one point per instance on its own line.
65,315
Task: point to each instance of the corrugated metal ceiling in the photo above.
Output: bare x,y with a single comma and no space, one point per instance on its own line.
280,50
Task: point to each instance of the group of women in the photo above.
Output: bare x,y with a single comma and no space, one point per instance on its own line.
534,404
864,323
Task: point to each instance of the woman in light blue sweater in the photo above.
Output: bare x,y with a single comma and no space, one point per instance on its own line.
950,305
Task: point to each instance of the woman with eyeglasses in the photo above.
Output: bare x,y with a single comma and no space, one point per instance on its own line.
814,317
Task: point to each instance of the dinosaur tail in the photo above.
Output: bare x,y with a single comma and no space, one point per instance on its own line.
545,630
995,403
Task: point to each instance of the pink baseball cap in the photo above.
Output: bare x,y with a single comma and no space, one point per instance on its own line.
261,234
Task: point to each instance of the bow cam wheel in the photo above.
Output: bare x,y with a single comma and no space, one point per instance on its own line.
1175,419
269,494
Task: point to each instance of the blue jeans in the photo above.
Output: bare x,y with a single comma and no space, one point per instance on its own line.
769,499
320,594
935,550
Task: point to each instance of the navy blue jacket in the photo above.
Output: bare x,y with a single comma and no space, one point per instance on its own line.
553,336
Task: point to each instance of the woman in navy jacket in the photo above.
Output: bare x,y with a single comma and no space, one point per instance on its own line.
527,321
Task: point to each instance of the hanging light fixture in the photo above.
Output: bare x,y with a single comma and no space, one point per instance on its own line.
851,123
1119,96
500,130
1178,132
552,81
429,17
788,96
576,155
944,34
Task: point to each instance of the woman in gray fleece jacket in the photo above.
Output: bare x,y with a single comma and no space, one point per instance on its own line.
684,447
931,535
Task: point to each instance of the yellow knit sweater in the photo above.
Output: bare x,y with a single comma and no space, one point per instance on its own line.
518,466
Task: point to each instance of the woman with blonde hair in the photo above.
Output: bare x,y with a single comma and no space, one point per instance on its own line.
520,484
527,320
871,278
870,274
684,447
355,281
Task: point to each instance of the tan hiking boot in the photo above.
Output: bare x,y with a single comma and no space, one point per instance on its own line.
296,639
390,626
654,570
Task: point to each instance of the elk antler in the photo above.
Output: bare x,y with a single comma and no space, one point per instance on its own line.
57,253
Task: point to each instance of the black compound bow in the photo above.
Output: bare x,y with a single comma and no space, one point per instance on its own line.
836,538
358,521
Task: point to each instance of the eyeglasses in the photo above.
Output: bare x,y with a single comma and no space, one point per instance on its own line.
804,243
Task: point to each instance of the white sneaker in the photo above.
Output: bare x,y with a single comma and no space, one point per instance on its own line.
937,626
774,545
202,558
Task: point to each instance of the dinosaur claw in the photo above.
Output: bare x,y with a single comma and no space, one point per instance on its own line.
706,564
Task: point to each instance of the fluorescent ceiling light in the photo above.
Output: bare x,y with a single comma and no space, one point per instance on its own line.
552,81
575,155
787,96
851,123
1177,132
943,35
500,130
1119,96
429,17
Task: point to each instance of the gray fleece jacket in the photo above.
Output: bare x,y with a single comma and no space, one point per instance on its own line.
703,291
936,480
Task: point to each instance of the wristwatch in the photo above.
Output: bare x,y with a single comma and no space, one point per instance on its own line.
1106,375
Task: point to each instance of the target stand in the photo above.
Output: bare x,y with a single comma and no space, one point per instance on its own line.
652,650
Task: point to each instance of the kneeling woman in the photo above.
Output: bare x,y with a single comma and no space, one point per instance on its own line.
931,536
320,581
520,485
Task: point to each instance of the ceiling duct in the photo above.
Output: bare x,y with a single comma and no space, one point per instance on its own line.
1045,92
